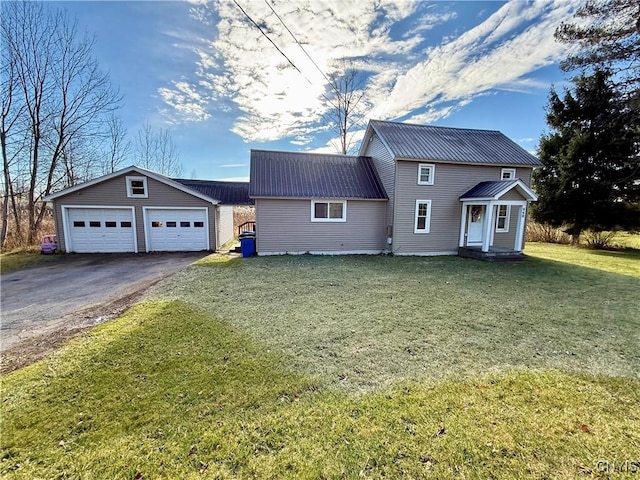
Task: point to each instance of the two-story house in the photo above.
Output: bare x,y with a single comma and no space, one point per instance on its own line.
412,190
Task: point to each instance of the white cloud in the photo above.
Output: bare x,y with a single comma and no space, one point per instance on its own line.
232,165
234,179
240,71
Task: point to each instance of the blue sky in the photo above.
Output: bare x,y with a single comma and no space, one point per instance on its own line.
201,70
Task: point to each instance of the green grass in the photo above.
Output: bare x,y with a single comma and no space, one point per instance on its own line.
361,323
623,261
344,367
168,392
20,259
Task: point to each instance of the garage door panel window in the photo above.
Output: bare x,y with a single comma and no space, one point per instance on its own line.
171,224
185,224
125,224
94,224
198,224
78,224
111,224
156,224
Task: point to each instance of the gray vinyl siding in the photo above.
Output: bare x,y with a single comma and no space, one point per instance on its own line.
451,181
508,239
386,167
225,224
113,193
285,226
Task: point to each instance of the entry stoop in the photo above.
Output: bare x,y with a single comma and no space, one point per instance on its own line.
493,255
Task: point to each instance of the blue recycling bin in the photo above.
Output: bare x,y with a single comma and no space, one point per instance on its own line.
248,244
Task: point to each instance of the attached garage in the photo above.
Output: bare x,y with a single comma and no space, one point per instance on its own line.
99,229
137,210
176,229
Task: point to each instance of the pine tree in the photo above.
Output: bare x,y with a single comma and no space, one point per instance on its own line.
607,34
591,173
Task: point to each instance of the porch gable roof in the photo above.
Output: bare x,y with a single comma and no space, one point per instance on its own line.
494,190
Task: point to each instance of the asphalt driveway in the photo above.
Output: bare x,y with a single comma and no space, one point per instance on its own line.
77,291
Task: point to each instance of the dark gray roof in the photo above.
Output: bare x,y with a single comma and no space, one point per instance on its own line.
458,145
496,189
313,175
227,193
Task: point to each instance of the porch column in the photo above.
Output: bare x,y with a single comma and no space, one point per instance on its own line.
463,222
486,236
519,243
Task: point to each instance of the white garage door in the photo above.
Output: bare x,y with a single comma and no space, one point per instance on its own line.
177,230
97,230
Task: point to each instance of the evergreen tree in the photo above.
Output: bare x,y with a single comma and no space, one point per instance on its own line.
607,34
591,173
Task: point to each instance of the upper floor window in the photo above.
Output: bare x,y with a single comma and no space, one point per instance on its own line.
508,174
137,187
426,173
328,211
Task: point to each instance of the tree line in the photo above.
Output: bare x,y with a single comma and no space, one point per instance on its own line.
591,153
59,123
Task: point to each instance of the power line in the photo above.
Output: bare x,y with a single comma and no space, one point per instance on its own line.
271,41
296,40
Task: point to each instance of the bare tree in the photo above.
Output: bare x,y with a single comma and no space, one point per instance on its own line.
156,151
346,104
118,148
60,96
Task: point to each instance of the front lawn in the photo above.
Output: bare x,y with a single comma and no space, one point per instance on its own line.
333,367
364,322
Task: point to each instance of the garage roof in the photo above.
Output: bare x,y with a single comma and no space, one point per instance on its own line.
227,193
313,175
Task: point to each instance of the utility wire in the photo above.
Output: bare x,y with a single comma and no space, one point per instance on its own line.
296,40
272,42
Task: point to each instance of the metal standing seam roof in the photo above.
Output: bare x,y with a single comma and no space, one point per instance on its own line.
227,193
494,189
457,145
313,175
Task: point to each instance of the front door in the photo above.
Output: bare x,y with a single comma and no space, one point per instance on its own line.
476,221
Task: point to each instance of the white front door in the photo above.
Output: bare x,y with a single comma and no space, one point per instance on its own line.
476,222
177,229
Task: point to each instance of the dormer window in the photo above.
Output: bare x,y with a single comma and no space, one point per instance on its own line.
137,187
508,174
426,173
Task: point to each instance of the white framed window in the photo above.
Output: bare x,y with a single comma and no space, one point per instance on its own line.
508,174
502,218
423,216
137,187
426,173
328,210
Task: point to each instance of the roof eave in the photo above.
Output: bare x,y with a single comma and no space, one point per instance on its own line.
156,176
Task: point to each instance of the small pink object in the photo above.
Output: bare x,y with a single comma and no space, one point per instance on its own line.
49,244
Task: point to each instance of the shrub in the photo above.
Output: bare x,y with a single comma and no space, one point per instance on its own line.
539,232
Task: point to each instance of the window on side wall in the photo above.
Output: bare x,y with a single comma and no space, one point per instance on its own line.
508,174
426,173
423,216
328,211
137,187
502,218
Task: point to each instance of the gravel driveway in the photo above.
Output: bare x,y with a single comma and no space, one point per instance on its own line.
77,291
